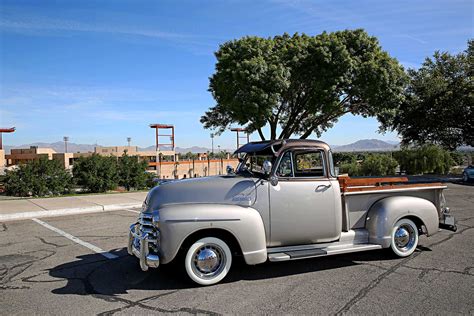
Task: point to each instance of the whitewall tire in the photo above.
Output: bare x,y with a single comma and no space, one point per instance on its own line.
404,238
208,261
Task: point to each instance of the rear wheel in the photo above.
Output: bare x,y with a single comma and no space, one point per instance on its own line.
404,237
208,260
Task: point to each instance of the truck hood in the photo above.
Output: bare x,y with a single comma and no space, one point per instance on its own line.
235,190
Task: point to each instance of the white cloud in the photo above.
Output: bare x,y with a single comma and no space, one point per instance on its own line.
70,25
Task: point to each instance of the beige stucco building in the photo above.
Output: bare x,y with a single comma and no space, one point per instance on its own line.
26,155
169,166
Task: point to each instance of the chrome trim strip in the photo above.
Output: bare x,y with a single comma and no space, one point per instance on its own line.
395,190
194,220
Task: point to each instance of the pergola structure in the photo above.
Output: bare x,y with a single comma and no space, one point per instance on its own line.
159,127
239,137
5,130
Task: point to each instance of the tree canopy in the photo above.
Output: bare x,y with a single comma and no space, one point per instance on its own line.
132,172
39,178
96,173
300,84
439,102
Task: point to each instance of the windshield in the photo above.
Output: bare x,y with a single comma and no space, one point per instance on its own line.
252,164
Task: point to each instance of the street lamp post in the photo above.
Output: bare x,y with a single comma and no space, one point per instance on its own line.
212,143
66,139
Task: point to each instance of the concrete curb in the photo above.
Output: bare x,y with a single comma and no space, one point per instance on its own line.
67,211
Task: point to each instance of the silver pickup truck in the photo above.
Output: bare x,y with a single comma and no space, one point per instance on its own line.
283,202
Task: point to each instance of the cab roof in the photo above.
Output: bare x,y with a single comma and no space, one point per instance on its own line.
275,146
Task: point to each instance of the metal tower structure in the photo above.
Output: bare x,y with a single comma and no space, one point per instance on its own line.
159,127
239,130
5,130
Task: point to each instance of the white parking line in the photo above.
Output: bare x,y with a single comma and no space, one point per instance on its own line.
138,212
106,254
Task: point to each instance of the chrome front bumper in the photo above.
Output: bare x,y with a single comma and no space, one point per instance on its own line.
139,246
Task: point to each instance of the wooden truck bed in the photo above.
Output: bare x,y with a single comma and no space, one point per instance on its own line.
349,184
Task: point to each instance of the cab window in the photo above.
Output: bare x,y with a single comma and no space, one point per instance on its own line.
285,169
309,164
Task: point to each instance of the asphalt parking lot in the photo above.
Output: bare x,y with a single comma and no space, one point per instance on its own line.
78,264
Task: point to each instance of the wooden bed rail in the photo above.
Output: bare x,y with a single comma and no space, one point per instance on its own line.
348,184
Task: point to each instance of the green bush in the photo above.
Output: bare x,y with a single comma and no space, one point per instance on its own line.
425,159
41,177
458,157
378,165
351,168
96,173
131,172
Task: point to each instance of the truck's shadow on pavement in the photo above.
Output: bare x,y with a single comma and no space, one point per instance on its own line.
95,274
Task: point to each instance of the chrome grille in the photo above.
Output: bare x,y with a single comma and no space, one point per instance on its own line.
145,221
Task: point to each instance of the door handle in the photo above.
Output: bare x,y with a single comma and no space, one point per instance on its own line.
323,186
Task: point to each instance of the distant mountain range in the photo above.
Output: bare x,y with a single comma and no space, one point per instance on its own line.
368,145
360,145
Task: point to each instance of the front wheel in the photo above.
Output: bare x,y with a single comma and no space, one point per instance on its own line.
208,261
404,237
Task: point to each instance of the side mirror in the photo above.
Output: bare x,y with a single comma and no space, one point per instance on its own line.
336,170
273,180
267,167
230,170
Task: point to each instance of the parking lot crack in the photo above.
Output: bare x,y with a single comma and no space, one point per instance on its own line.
11,287
424,271
140,304
365,290
48,243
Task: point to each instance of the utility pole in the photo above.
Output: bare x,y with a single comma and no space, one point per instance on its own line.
66,139
212,142
129,139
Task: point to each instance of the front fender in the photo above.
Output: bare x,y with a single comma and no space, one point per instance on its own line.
177,222
384,213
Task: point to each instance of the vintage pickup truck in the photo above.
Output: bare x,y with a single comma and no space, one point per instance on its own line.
283,202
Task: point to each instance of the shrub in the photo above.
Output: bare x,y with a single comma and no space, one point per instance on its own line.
425,159
131,172
96,173
378,165
39,178
351,168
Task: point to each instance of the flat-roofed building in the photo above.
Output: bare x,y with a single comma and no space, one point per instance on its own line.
26,155
167,166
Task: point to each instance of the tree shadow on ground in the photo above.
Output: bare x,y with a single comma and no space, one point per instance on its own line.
95,274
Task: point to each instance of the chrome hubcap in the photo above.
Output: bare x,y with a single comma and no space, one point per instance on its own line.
405,238
208,261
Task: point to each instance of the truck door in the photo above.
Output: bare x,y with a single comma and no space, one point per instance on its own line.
305,204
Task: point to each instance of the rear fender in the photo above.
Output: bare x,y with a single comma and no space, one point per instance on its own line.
178,222
384,213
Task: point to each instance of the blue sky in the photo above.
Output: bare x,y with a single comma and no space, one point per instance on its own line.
100,71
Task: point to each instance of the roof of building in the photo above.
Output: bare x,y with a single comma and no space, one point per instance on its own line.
275,146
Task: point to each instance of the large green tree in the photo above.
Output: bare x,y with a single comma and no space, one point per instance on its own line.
96,173
300,84
41,177
439,103
131,172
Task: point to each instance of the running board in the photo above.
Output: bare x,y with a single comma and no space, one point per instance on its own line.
320,252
